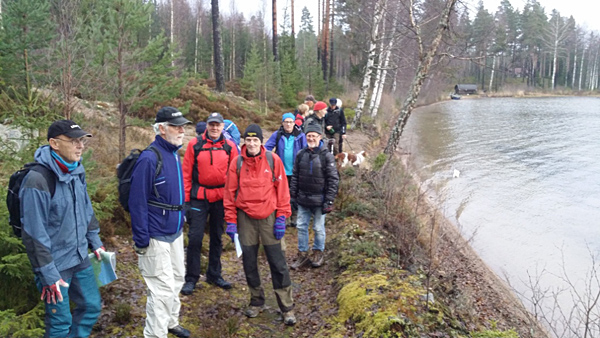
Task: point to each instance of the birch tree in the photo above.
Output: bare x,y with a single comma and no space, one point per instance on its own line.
426,57
372,55
378,67
378,90
558,33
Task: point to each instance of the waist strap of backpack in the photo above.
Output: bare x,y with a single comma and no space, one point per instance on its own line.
211,186
169,207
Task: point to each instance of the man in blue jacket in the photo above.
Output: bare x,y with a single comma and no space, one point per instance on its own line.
287,142
157,216
58,229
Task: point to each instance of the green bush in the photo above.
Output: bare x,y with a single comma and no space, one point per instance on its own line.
379,161
30,324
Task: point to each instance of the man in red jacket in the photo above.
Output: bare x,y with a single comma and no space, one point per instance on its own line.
204,171
257,197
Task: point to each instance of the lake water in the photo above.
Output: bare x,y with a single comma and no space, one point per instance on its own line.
528,193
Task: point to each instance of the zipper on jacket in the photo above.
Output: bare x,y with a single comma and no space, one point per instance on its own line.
179,180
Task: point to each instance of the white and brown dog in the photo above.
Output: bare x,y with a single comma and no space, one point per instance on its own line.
343,159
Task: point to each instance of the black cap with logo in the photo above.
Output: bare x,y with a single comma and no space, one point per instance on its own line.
67,128
172,116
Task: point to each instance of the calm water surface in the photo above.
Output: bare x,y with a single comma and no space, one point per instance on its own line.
529,187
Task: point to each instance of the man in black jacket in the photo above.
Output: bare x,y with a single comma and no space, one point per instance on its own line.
335,124
314,186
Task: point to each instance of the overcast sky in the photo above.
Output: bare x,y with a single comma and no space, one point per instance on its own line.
585,12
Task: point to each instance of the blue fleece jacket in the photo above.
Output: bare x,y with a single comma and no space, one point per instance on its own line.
149,221
58,230
299,143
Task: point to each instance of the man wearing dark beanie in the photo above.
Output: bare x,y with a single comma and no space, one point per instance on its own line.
254,130
257,198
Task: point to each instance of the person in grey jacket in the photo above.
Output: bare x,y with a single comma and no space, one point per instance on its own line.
314,186
59,229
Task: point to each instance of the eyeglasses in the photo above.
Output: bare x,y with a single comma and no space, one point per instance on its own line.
76,141
288,122
181,127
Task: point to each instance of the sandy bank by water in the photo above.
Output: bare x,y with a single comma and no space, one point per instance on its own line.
478,287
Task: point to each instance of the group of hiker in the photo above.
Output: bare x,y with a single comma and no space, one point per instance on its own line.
254,190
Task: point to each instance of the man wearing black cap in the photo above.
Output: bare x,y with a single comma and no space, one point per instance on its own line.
205,164
58,228
335,124
157,218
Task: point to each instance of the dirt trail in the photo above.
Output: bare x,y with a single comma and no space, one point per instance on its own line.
213,312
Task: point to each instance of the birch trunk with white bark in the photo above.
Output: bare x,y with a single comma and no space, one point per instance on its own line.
492,73
364,88
379,71
425,60
386,62
581,67
172,33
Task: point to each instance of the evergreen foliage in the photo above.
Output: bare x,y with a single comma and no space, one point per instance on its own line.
26,31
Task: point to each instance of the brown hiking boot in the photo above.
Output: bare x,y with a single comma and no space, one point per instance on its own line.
301,261
317,258
253,311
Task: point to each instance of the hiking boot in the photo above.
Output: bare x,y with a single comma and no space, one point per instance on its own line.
220,282
188,288
317,258
253,311
302,260
289,318
180,332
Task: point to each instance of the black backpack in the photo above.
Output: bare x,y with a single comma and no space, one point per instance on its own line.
13,202
125,170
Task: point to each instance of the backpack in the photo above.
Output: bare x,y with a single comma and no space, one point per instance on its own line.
125,170
199,146
232,131
13,202
240,161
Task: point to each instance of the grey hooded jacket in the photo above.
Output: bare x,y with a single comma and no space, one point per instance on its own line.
58,230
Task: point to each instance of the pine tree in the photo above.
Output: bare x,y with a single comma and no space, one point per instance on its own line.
311,74
138,75
26,29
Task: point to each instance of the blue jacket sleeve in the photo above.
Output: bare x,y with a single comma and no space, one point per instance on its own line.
270,145
142,181
35,210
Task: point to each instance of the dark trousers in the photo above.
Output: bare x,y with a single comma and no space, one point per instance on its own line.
337,140
252,233
200,212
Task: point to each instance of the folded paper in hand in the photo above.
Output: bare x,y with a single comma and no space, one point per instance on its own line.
238,246
104,269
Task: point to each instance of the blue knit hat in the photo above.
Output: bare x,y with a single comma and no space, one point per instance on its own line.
200,127
287,116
